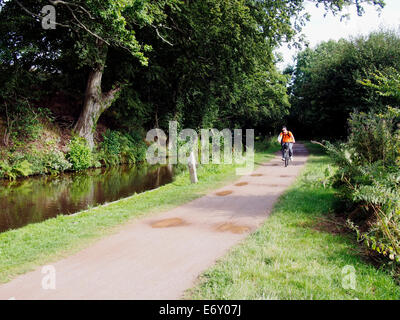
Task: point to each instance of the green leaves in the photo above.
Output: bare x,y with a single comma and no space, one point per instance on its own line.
121,148
79,154
385,83
368,178
327,82
23,168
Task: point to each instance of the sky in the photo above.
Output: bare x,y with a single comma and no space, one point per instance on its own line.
321,28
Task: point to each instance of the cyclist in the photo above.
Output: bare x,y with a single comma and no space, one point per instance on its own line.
286,137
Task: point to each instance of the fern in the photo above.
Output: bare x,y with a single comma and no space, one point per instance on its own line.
11,172
368,175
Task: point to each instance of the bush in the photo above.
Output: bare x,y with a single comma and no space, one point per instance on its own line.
23,121
79,155
33,162
368,180
375,137
55,161
265,143
121,148
12,171
111,147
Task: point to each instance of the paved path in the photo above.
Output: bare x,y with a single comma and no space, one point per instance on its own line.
160,257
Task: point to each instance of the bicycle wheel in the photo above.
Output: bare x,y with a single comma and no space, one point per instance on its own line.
286,158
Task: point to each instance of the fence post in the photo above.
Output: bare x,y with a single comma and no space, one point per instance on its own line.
192,168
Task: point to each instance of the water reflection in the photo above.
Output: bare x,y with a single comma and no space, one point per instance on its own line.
39,198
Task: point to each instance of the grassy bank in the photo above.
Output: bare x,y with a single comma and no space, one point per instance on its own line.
23,249
53,150
295,254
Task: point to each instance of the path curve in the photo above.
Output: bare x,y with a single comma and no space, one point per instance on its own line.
161,256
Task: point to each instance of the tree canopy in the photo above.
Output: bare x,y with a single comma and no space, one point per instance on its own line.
203,63
327,83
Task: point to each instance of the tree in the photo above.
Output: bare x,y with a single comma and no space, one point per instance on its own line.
326,85
225,75
386,84
94,26
211,59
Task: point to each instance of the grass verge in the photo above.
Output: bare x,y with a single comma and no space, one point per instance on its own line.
24,249
289,258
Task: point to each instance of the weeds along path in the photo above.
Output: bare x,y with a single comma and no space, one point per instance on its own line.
160,257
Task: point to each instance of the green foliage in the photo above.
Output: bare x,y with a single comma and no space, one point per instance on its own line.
121,148
387,83
375,137
44,161
368,179
219,71
40,162
25,122
225,76
327,84
111,146
264,143
79,154
295,254
23,168
117,148
22,120
203,63
55,161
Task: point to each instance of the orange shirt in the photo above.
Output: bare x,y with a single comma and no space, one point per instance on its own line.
288,137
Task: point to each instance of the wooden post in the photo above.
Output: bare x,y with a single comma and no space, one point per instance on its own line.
192,168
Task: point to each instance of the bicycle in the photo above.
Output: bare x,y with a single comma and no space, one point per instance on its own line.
286,156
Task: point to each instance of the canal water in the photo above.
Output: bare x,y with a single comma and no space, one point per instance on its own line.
36,199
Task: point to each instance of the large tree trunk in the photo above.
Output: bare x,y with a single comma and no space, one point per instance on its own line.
91,107
96,102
